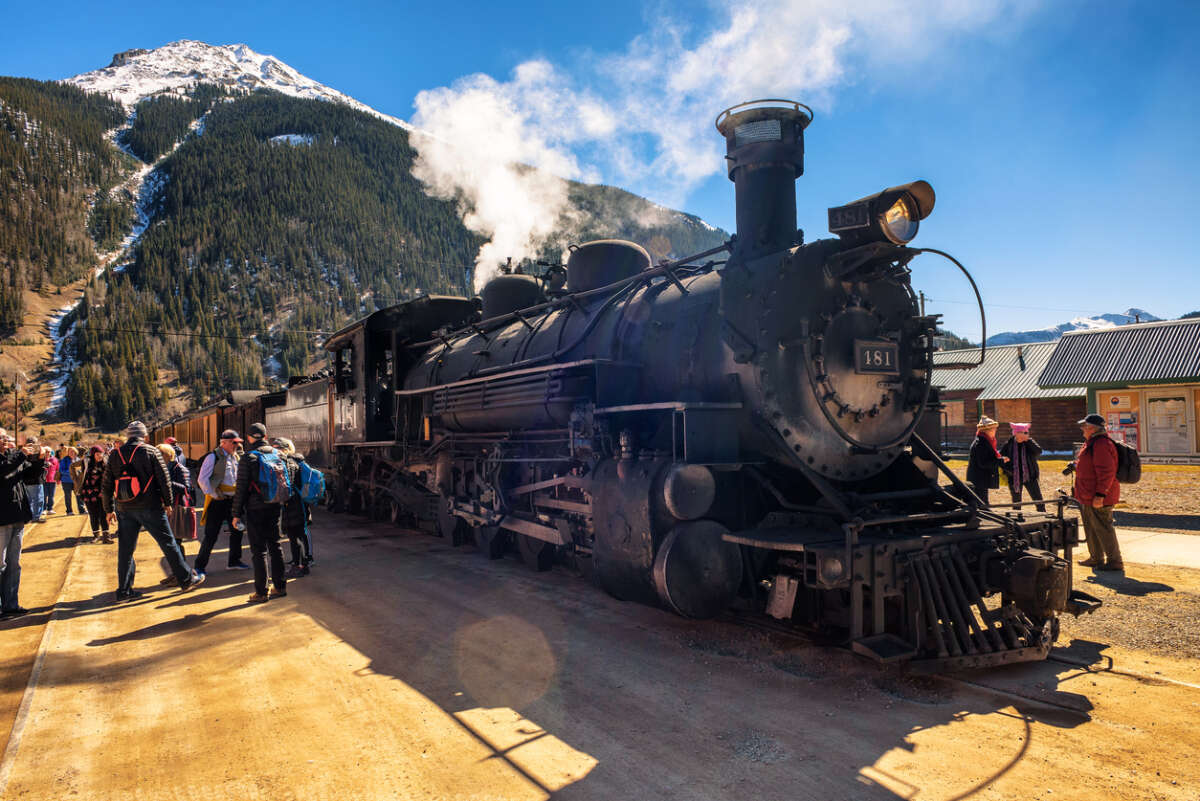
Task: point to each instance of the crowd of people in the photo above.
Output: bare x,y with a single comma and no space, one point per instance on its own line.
258,486
1096,489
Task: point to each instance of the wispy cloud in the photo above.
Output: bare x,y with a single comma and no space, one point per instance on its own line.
642,118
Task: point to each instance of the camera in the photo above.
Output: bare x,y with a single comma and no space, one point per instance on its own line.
1069,469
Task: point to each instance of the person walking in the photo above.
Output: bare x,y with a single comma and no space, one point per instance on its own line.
89,493
34,493
296,515
259,501
66,480
1098,491
137,494
16,466
1021,454
983,465
218,481
49,480
181,481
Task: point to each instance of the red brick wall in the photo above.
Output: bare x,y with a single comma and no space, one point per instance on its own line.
1054,421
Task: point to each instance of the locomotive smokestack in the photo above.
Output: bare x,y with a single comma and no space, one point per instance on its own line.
764,142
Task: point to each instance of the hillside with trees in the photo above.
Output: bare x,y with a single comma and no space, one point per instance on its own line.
54,161
278,221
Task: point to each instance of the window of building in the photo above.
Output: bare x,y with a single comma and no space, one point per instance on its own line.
956,412
1019,410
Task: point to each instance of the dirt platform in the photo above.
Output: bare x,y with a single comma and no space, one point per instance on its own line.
403,668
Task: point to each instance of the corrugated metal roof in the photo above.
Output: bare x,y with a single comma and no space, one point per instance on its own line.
1127,354
1008,371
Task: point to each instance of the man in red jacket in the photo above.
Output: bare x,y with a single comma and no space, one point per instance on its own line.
1097,490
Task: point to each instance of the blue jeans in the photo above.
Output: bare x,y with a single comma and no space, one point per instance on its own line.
130,522
10,564
34,493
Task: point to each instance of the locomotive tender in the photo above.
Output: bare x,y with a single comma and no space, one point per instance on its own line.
753,426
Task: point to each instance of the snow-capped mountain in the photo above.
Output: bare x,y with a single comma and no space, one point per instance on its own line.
1052,333
135,75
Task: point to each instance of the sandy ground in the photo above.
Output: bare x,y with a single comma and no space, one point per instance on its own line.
403,668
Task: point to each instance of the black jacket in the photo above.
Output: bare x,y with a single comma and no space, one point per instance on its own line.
1012,449
15,468
983,469
295,512
151,472
247,495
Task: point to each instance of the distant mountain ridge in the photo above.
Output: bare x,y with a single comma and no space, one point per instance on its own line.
1053,333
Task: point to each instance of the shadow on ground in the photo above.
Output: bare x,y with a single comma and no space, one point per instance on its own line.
666,707
1156,521
1122,584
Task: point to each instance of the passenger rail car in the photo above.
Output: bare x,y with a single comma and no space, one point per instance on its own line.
749,426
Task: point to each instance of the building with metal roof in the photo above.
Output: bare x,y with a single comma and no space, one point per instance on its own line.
1005,387
1144,379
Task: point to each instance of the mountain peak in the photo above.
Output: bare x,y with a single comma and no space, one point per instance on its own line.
136,74
1052,333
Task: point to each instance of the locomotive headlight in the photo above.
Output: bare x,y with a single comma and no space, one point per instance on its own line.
832,569
899,223
892,215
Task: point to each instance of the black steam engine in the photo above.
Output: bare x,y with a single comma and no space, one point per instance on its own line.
749,427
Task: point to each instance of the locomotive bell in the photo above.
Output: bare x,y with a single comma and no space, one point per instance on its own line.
603,262
509,293
764,142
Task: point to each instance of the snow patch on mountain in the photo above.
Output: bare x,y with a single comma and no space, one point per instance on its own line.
1054,332
176,67
293,139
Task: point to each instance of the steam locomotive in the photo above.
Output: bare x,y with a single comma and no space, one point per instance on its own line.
753,427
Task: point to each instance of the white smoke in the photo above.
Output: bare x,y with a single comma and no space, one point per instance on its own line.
642,119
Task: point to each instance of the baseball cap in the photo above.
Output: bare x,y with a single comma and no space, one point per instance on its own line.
170,440
1092,420
229,433
258,431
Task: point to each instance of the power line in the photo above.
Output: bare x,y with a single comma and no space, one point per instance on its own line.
196,335
1014,306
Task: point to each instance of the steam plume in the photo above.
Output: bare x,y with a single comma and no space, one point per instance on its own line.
642,118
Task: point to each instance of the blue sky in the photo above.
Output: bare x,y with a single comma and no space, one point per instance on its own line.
1063,138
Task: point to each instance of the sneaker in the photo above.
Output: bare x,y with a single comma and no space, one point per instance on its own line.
128,595
195,581
106,540
257,599
295,571
239,566
276,592
168,580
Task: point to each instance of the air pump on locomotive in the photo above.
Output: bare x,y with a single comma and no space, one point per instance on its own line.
753,426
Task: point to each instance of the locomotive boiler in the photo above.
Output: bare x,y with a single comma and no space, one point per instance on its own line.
751,427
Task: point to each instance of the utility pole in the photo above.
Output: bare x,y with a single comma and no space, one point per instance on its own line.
922,294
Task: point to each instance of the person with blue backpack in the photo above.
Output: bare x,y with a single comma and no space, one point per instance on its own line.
308,486
263,489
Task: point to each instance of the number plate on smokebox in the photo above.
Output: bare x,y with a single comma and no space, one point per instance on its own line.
872,356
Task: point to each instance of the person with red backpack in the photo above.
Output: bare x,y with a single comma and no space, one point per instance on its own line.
136,491
263,488
1097,490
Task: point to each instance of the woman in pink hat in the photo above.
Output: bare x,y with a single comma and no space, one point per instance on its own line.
1021,466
